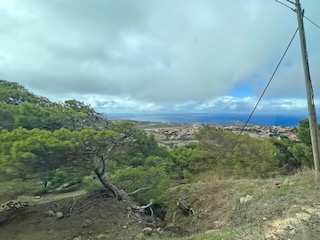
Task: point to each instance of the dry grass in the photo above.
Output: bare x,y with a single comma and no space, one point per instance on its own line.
216,203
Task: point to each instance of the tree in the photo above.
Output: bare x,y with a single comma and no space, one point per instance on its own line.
302,151
241,156
304,132
15,94
288,162
41,152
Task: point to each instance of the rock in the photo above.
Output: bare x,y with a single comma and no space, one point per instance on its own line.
246,199
292,232
59,215
124,227
102,237
264,219
147,231
87,223
210,231
50,213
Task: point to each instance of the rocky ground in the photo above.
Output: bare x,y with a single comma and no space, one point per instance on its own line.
80,218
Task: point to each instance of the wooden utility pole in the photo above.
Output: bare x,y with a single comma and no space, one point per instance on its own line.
314,132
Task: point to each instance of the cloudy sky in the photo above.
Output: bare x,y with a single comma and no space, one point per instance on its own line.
159,56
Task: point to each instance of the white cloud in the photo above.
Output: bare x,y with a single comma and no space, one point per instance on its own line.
219,105
156,55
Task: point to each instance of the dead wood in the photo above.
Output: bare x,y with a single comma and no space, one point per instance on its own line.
184,207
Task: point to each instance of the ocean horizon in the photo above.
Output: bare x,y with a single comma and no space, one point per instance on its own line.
208,118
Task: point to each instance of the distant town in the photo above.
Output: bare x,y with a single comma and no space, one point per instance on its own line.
179,134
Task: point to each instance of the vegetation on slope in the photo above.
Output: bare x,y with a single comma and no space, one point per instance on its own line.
66,144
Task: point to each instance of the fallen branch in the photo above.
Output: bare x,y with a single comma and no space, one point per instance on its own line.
142,208
151,210
138,190
72,206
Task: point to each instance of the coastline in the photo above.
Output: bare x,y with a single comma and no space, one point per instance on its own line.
285,120
178,134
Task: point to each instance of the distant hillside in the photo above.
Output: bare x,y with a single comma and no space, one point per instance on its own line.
21,108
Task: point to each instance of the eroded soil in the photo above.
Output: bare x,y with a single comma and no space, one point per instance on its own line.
83,218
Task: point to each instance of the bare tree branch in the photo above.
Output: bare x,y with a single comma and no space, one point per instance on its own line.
138,190
142,208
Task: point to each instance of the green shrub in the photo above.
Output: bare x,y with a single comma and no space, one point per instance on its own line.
91,184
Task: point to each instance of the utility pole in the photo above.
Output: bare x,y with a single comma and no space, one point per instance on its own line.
314,132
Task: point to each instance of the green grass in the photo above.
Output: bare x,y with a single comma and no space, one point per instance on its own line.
25,191
12,189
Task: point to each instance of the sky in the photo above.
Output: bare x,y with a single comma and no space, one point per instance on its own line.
213,56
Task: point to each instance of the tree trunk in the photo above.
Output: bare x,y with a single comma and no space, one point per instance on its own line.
119,194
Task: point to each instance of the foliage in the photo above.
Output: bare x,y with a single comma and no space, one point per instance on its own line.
64,176
20,108
13,93
154,175
91,184
250,158
288,162
189,160
297,154
62,143
304,132
235,155
42,153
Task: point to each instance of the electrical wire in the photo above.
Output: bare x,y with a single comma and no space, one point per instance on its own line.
312,22
317,25
286,5
261,96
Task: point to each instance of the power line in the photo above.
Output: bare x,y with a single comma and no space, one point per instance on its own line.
265,89
291,2
317,25
261,96
285,5
312,22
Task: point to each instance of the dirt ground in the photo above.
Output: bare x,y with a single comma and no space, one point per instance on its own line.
83,218
280,208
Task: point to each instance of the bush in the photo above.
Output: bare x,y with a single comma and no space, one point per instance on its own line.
64,176
91,184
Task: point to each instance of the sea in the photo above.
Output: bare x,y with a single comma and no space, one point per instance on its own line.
209,118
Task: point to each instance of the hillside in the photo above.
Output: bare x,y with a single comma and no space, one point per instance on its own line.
280,208
67,172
